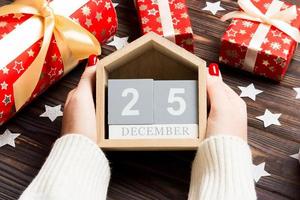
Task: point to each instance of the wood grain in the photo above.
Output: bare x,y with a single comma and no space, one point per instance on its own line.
167,173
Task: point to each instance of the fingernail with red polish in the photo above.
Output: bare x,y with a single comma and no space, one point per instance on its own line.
213,69
92,60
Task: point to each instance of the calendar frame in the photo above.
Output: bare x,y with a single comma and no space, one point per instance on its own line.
134,49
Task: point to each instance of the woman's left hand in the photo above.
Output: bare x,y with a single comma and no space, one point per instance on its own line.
79,110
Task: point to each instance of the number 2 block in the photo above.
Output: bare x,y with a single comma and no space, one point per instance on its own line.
130,101
175,102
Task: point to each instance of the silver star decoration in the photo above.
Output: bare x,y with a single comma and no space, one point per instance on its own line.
213,7
115,4
18,66
269,118
88,22
8,138
86,11
97,2
30,53
52,112
152,12
98,16
18,16
6,100
259,171
298,92
4,85
249,91
119,42
296,155
107,5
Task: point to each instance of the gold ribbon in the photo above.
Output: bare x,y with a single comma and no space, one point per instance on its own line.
280,19
74,43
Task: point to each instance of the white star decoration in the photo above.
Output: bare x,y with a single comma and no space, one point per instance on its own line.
259,171
52,112
119,42
115,4
213,7
296,155
298,92
249,91
269,118
8,138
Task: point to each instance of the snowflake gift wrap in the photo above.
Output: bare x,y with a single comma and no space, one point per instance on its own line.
259,47
167,18
41,45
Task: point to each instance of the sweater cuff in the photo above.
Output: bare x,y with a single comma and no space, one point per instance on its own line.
75,169
222,170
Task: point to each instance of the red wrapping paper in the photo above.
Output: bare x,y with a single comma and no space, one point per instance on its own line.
98,17
150,20
275,53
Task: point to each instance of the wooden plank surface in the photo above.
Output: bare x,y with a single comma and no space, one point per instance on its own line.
165,175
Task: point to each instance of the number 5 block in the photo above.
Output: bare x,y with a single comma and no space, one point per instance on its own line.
130,101
175,102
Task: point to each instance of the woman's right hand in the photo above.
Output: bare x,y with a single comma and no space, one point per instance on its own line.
228,112
79,112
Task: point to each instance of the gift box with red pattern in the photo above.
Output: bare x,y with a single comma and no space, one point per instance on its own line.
167,18
40,41
262,37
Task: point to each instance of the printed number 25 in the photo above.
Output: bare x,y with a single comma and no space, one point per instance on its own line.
129,111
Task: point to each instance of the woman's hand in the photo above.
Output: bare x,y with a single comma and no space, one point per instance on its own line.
228,112
79,111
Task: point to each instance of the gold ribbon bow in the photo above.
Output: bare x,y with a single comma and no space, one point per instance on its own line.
280,20
74,42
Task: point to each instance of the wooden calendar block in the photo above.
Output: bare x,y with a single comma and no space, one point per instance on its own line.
154,131
150,57
130,101
176,102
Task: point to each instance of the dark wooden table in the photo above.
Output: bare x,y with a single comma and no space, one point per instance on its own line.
165,175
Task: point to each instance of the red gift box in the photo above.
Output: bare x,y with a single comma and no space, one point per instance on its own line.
259,46
35,53
168,18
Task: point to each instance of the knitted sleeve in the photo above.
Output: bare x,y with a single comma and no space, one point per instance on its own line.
75,169
222,170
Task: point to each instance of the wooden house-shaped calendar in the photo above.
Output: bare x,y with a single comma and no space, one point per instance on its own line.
150,57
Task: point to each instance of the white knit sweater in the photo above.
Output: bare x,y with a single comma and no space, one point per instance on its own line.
77,169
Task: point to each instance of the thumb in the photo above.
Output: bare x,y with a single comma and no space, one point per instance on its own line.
215,86
87,81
